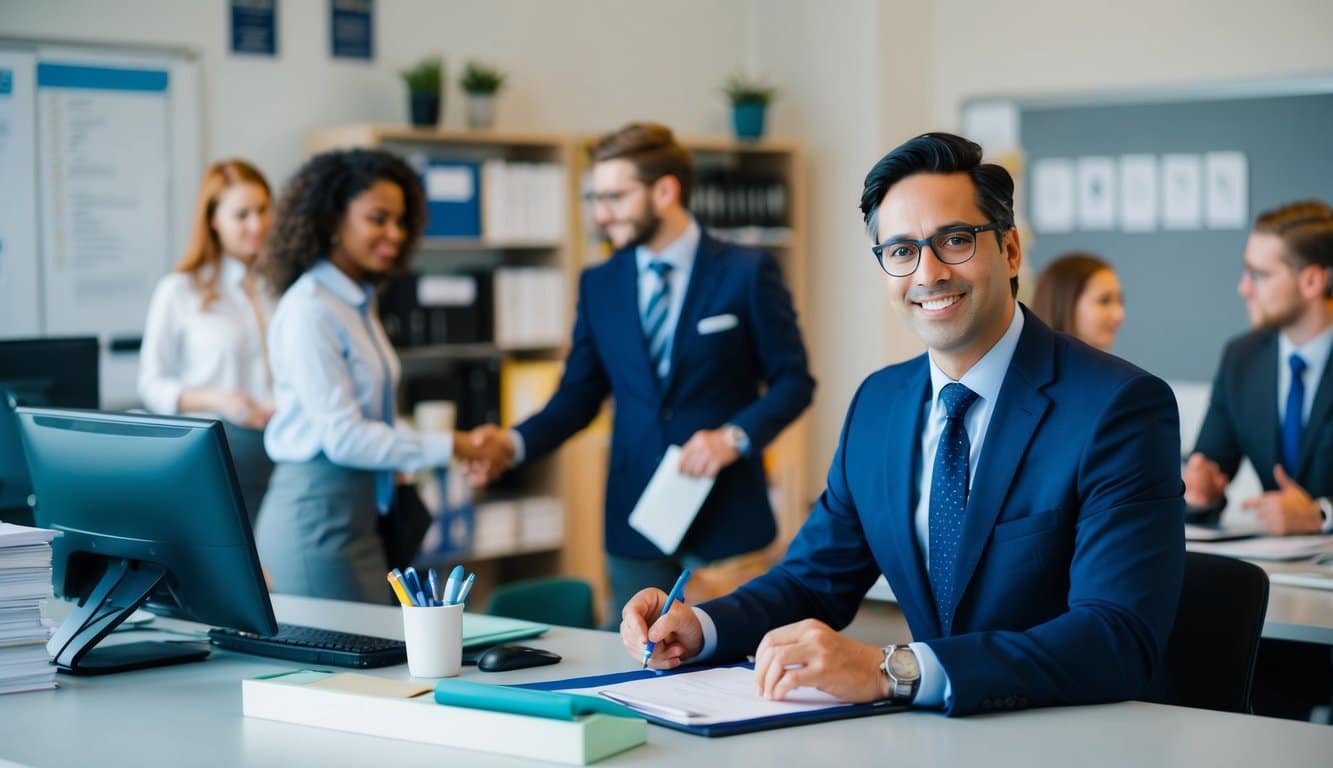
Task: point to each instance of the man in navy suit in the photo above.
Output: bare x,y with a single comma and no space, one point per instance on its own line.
697,343
1020,490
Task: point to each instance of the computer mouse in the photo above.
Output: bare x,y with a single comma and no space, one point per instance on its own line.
503,658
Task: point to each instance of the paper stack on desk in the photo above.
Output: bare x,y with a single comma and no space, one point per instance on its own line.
25,583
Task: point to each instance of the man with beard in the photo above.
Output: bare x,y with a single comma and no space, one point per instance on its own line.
1272,401
697,343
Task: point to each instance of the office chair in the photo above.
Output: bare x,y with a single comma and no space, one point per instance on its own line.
1210,656
566,602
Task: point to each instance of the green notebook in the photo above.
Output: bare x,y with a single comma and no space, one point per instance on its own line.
480,630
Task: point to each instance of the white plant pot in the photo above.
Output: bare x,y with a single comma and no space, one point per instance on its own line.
480,110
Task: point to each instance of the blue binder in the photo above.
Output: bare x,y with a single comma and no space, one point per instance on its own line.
453,199
727,728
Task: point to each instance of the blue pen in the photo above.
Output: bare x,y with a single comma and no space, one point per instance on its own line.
433,586
467,587
452,585
413,584
677,593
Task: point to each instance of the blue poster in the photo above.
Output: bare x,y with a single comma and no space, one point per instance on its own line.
254,27
352,28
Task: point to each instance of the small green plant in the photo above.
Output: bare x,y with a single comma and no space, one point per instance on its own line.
481,79
425,77
742,90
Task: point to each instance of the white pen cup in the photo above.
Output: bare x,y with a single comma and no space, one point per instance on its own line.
434,636
435,416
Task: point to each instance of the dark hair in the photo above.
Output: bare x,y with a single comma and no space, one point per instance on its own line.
203,253
942,153
652,150
1060,285
1306,230
315,201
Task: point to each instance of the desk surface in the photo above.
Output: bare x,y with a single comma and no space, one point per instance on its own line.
191,715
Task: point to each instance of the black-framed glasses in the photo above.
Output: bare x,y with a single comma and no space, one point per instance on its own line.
952,245
609,197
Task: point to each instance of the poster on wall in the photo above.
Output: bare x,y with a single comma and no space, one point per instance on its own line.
1138,193
352,29
19,283
254,27
1182,192
1053,195
1226,190
1096,188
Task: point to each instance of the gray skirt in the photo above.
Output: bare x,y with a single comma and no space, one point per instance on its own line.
317,534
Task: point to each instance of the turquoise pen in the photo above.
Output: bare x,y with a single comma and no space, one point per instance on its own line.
677,593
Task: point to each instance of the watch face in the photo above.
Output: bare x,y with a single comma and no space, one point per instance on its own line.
903,666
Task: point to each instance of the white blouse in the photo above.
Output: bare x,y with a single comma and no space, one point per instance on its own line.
186,346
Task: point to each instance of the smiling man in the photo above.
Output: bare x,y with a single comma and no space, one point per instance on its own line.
1020,491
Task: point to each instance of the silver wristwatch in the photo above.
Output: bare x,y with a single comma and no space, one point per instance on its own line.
900,665
1325,511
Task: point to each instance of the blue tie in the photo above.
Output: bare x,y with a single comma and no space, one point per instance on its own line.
656,334
948,498
1291,421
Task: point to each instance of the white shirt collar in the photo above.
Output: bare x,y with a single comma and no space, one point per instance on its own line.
679,253
233,271
987,376
340,285
1315,351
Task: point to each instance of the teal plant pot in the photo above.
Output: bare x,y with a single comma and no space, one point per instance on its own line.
425,108
748,121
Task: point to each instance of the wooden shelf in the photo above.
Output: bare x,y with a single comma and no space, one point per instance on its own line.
374,134
482,244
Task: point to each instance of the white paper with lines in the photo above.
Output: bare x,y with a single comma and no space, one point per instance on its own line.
669,503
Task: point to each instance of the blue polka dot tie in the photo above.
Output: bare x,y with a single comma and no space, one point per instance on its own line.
1293,417
655,331
948,498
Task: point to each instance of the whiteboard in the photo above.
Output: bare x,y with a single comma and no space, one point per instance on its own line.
99,157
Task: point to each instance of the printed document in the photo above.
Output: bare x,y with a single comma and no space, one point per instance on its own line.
669,503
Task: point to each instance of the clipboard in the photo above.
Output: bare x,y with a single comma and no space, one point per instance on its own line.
729,728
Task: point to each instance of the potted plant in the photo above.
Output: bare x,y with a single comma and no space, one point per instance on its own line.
480,83
423,89
749,101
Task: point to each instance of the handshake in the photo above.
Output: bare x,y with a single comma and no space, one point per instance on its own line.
487,450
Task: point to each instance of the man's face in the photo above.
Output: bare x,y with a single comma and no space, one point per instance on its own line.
1269,285
622,205
958,309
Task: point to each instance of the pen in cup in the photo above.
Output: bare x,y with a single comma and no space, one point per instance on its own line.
397,584
466,588
677,593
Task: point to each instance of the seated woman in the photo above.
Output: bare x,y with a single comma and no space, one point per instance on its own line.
1079,294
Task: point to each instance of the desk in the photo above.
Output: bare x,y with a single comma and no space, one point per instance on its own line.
191,715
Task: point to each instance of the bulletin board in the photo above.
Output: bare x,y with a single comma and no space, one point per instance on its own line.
1165,186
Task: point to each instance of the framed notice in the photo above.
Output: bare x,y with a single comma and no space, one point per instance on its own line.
352,29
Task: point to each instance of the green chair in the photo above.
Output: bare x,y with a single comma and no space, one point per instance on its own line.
566,602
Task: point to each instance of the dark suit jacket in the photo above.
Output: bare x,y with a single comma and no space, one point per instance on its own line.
1243,419
715,378
1072,554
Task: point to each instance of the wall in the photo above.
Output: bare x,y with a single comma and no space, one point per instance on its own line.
575,65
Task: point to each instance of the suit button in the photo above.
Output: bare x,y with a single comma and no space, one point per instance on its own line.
986,705
667,414
1009,702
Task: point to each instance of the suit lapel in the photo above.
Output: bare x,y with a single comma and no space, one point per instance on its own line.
1319,414
902,460
704,278
1017,413
629,336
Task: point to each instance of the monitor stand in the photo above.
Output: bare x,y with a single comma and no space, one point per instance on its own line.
124,586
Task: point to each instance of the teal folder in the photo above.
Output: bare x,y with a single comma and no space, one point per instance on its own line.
480,630
525,701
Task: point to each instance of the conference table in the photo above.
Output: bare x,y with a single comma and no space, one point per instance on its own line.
191,715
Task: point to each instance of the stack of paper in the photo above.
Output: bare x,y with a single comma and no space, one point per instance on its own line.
25,583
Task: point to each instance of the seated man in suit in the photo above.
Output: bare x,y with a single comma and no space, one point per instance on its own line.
1019,489
1271,399
697,343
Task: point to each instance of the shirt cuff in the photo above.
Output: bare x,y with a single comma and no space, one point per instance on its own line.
437,449
709,632
520,448
935,690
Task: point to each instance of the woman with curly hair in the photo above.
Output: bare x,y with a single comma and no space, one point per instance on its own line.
203,344
347,220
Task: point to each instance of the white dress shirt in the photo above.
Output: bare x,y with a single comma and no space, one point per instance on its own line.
985,379
1315,354
186,346
334,372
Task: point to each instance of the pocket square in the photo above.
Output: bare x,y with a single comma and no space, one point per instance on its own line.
717,324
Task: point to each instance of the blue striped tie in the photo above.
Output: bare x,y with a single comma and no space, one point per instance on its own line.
656,334
948,498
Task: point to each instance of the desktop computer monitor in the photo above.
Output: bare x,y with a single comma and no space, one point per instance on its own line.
42,372
150,513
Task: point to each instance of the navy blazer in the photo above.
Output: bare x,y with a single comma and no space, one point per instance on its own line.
1243,419
714,379
1072,554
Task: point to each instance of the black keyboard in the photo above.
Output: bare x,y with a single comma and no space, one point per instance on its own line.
315,646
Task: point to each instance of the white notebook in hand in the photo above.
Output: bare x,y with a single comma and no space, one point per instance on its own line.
669,504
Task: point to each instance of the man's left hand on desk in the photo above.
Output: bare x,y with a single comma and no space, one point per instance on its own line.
707,452
811,653
1288,510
